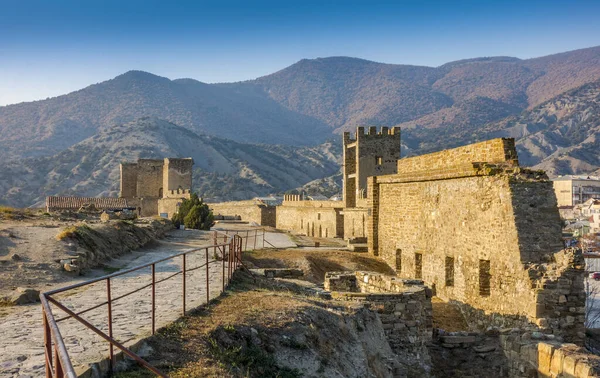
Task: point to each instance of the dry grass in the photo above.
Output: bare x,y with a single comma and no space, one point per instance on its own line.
67,232
315,263
186,348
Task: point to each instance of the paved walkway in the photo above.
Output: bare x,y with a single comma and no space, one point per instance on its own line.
21,343
21,337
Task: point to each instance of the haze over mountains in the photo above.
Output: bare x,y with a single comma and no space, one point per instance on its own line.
550,104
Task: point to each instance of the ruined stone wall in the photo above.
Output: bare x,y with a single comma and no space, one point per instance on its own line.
484,235
355,222
249,211
149,178
530,357
404,307
128,183
177,177
312,218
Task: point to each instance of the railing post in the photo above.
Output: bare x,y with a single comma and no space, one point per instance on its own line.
58,372
207,279
47,345
110,331
183,274
223,260
153,298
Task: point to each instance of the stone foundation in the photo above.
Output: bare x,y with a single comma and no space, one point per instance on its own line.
404,307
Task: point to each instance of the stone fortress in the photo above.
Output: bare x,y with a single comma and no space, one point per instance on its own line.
156,186
478,229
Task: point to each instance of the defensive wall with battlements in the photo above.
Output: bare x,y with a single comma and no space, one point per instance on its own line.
482,232
156,186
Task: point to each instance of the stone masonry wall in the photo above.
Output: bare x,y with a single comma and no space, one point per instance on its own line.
404,307
149,178
528,356
128,181
486,236
500,150
312,218
177,177
355,222
249,211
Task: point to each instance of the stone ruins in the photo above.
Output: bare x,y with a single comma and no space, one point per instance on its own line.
151,186
156,186
469,223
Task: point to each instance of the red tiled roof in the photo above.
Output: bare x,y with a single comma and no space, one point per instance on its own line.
74,203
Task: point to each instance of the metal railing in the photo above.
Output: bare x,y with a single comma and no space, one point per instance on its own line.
57,361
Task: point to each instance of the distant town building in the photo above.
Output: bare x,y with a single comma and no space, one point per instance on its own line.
575,190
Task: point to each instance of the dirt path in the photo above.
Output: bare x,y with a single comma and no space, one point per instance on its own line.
21,348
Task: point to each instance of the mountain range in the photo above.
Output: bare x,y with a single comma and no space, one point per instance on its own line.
549,104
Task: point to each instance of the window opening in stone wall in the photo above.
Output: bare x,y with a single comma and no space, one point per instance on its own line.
398,260
318,216
484,278
449,271
320,231
378,160
160,192
418,266
302,224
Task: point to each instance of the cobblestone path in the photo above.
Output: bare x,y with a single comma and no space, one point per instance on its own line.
21,338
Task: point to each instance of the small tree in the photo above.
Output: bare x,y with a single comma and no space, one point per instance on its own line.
194,213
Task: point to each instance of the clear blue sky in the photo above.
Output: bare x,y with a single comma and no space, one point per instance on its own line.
48,48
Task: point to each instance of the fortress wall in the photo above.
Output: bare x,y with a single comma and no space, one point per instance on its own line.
487,237
169,206
494,151
128,180
249,211
312,218
355,222
177,177
149,178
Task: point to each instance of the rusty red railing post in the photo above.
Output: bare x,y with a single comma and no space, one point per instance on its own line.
183,274
207,279
58,372
153,298
47,344
223,260
110,330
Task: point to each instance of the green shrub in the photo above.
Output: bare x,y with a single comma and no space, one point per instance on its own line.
195,214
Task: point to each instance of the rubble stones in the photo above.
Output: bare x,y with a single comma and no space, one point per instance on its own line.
22,296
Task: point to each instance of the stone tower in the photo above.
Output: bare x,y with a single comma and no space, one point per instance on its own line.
371,154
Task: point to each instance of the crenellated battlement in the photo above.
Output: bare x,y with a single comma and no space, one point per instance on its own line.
370,132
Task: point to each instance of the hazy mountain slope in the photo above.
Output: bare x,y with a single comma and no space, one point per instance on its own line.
303,104
561,135
562,72
45,127
91,167
346,92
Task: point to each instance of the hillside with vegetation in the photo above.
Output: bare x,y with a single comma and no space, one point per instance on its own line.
241,133
223,169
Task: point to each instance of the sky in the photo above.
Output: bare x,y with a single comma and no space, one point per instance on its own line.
49,48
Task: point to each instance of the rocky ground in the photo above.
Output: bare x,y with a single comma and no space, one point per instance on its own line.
33,253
